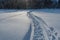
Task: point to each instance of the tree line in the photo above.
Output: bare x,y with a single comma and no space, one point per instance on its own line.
33,4
12,4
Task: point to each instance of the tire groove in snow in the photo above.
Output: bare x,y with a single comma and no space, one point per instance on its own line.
2,19
40,30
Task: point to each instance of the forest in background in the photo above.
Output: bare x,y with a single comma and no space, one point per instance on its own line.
30,4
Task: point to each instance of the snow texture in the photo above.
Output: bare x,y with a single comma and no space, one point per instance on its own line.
41,31
30,25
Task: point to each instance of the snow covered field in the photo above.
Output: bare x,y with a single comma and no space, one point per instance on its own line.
15,24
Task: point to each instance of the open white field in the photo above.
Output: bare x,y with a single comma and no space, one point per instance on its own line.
15,24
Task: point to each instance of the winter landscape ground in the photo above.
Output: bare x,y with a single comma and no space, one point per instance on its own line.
14,24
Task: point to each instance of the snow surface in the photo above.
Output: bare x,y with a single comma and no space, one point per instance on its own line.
50,16
15,24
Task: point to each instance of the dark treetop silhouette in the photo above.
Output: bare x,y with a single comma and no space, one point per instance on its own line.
32,4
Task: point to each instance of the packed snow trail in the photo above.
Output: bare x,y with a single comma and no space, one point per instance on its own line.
40,30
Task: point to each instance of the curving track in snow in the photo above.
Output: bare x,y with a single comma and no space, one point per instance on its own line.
40,30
